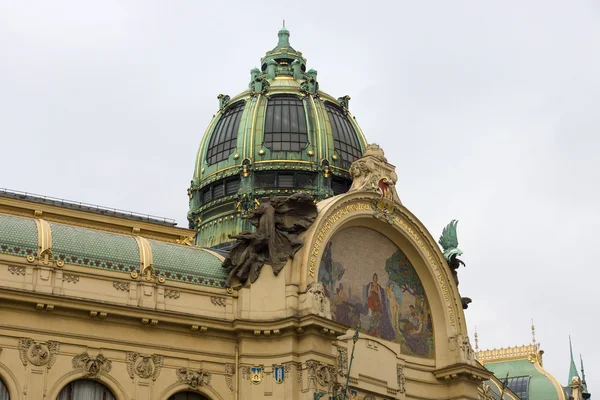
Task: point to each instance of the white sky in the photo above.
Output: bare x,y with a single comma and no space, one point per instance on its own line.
489,110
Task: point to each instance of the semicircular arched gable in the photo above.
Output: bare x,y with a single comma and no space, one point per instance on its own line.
413,247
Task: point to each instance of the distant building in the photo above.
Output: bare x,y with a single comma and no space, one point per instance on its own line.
519,370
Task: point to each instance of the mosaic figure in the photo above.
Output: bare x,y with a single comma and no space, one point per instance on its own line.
380,294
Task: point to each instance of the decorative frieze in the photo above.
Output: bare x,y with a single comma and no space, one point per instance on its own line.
144,366
70,278
218,301
401,378
507,353
91,367
38,353
193,377
16,270
124,286
173,294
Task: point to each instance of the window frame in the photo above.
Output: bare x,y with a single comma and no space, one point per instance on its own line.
223,139
286,136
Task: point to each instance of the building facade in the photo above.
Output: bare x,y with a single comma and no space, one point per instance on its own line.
102,304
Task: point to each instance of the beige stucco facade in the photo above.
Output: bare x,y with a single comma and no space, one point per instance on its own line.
147,339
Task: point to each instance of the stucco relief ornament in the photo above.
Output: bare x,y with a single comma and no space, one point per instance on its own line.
92,366
373,173
144,366
466,348
38,354
449,243
278,222
193,377
320,303
401,378
342,361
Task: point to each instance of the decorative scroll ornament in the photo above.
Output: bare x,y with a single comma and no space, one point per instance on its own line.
144,366
401,378
38,354
278,223
342,361
185,240
92,367
320,303
229,373
372,173
193,377
449,242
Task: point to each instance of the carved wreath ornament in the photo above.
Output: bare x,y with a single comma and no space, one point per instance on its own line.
37,353
144,366
91,366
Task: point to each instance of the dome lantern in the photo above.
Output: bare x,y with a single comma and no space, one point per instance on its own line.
281,136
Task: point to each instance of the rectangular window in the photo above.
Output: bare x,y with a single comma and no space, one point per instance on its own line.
266,179
285,181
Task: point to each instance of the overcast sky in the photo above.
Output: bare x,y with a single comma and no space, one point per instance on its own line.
488,109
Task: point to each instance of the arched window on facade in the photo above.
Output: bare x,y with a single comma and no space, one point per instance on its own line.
3,391
188,396
85,389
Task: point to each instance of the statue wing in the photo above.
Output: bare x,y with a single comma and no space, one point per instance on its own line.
449,239
295,213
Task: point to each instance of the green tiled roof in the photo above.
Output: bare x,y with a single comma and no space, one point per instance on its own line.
187,264
540,386
95,249
111,251
18,236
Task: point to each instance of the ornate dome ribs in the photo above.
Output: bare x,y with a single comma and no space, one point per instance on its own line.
281,136
224,137
346,142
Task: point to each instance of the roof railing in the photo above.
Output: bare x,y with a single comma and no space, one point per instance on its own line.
78,205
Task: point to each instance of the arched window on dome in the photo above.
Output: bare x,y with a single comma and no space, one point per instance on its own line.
4,395
85,389
187,396
345,139
285,124
224,137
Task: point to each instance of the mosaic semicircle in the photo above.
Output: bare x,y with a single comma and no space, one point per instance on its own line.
373,286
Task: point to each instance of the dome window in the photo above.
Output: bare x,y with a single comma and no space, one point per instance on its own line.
285,124
520,386
345,140
224,137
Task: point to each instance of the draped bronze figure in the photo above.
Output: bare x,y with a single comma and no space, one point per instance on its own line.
278,223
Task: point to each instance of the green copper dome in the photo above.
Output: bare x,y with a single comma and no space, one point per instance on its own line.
280,136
